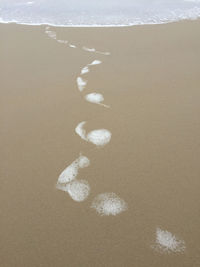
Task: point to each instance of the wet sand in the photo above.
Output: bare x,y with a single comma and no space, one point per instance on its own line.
151,81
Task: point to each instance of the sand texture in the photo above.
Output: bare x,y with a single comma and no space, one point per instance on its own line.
129,128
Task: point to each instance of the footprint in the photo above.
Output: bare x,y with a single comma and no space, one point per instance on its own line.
71,172
78,190
95,62
108,204
89,49
62,41
84,70
93,50
98,137
96,98
81,83
166,242
51,34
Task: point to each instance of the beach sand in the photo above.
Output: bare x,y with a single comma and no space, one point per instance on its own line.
151,81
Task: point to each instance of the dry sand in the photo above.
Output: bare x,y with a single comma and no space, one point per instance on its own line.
151,80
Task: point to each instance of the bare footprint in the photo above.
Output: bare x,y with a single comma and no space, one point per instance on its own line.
71,172
86,68
78,190
166,242
81,83
98,137
108,204
93,50
96,98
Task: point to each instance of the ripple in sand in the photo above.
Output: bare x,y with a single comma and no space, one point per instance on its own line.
109,204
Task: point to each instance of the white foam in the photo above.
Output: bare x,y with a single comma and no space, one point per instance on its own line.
95,62
84,70
193,1
71,172
78,190
167,242
108,15
98,137
30,3
95,98
109,204
81,83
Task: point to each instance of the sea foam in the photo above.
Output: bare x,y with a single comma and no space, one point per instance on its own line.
112,13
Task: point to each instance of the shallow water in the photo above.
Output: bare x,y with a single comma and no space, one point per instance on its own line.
97,13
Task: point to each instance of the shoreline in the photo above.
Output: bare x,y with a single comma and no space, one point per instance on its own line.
101,26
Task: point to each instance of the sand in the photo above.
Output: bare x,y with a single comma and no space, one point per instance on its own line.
151,82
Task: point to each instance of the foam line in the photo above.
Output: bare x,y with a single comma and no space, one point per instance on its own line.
81,83
166,242
109,204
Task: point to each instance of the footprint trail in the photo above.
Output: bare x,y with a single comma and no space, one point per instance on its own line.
105,204
78,190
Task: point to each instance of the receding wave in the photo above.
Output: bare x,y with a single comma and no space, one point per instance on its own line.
104,13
